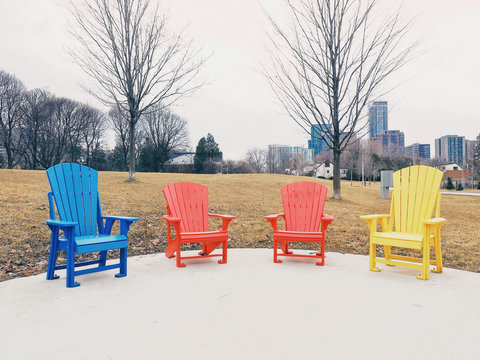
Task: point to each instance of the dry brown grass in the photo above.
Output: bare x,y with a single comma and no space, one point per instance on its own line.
24,237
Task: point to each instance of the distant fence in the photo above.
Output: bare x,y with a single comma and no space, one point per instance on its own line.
459,193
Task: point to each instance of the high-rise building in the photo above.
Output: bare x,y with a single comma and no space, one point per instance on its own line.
317,143
451,148
377,117
418,151
289,153
392,141
469,149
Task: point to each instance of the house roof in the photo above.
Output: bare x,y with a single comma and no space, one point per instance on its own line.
456,174
181,159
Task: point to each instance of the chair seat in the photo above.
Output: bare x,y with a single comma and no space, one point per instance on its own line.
92,243
204,236
408,240
300,236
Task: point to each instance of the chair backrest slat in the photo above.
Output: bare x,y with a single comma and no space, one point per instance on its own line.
189,202
75,191
303,204
415,192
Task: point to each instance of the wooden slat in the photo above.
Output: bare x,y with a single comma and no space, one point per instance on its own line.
181,206
93,200
285,196
68,176
85,179
52,178
301,192
398,198
432,188
405,173
204,213
77,191
396,242
62,195
316,215
412,201
422,181
398,263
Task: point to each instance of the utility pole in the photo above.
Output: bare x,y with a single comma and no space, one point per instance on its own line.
363,174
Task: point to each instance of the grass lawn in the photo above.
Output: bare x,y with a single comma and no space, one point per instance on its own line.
24,237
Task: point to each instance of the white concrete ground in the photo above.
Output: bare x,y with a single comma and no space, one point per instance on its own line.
249,308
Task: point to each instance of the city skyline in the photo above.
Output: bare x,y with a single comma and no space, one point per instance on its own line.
434,96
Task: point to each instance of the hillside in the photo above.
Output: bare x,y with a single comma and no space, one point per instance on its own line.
24,237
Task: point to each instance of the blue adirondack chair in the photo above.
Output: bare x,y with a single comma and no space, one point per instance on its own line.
75,192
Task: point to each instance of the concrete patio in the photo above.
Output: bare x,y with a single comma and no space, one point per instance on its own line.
249,308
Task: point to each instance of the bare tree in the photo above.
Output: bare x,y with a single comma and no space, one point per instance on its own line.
59,139
257,159
93,131
273,159
330,63
12,92
119,121
35,112
137,64
167,132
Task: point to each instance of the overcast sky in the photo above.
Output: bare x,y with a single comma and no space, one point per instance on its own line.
438,93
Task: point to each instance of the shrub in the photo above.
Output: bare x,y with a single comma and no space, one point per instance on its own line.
459,187
449,185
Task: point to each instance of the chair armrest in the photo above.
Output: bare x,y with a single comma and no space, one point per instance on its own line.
326,220
435,221
125,222
231,217
121,218
374,217
61,224
274,216
171,219
273,220
372,221
226,220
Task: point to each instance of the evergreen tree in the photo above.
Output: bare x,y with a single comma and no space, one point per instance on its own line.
449,184
459,187
207,155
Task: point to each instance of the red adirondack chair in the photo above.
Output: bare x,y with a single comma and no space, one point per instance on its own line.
305,221
187,211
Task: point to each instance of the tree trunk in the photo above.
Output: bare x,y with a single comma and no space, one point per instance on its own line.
131,168
336,175
9,157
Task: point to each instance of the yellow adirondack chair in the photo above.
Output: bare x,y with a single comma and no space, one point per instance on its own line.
415,193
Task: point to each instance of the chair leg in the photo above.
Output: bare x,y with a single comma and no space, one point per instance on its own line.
123,263
373,256
322,254
179,258
275,257
288,252
204,248
224,254
425,275
103,258
438,253
388,253
71,267
52,258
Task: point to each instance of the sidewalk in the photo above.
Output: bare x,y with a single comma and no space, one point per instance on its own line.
249,308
